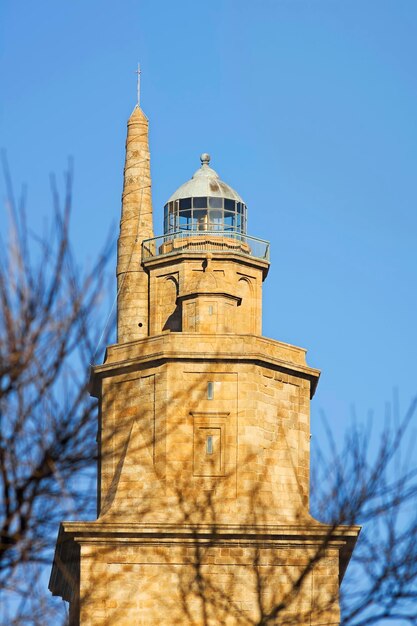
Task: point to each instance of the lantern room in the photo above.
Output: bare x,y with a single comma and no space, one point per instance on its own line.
205,204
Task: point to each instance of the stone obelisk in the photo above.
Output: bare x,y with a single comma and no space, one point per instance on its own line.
135,226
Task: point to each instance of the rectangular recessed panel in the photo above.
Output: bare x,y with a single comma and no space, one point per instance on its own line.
207,450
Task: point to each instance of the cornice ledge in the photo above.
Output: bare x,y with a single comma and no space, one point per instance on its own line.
164,355
131,529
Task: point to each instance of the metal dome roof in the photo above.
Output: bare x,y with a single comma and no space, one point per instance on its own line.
204,183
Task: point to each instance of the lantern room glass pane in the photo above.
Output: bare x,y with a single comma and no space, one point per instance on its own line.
216,219
174,214
171,221
229,205
185,203
185,221
200,203
215,203
229,220
200,219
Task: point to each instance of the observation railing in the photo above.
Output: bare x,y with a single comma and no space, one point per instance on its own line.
223,241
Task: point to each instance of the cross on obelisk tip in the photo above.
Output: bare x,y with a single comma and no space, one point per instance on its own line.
138,72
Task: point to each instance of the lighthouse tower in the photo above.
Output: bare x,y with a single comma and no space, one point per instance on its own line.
204,433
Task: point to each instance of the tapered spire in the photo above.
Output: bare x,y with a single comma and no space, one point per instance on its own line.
135,226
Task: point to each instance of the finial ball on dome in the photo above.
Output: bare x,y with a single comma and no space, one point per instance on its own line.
205,158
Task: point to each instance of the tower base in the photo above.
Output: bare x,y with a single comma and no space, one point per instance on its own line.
131,574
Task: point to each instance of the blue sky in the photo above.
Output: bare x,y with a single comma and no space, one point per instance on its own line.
308,109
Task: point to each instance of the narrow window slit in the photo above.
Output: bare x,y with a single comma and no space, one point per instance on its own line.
210,391
209,444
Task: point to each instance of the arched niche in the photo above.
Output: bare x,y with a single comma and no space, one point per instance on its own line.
169,309
246,310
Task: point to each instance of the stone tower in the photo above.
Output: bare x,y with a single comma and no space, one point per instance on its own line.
204,434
